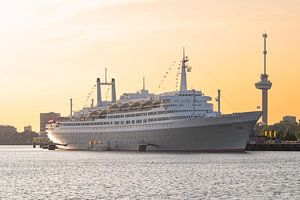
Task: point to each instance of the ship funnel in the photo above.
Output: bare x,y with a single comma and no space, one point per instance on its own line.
113,91
99,101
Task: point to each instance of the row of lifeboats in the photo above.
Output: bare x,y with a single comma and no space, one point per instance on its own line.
136,104
124,106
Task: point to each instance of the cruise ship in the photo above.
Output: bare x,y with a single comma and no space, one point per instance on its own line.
181,120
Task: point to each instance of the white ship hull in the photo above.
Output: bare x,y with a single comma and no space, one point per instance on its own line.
223,133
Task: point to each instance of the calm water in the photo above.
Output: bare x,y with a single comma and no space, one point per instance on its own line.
27,173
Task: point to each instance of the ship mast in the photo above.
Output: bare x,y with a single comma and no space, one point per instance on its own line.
183,83
143,83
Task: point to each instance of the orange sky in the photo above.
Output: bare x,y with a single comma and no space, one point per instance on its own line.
53,50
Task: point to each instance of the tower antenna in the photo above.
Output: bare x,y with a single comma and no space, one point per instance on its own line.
265,52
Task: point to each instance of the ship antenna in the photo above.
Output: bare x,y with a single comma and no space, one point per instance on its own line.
143,82
105,75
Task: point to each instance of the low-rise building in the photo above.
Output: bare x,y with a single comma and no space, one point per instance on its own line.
7,129
27,129
44,119
10,136
291,119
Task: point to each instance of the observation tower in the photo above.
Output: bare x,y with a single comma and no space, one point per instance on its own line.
264,85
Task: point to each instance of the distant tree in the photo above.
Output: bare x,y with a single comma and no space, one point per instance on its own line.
263,129
285,130
297,132
291,129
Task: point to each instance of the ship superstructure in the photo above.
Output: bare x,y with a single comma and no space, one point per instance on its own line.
178,121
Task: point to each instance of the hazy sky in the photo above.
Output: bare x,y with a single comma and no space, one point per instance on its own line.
52,50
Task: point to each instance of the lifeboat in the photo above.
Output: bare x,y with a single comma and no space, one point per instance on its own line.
115,106
147,103
94,113
135,104
157,102
104,112
124,105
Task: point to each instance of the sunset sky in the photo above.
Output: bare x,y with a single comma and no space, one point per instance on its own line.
52,50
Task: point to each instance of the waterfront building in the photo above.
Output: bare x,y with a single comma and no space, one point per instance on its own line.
45,118
27,129
10,136
7,129
291,119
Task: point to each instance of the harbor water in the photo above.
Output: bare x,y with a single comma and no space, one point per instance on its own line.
28,173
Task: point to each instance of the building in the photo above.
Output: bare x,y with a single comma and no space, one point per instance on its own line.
27,129
44,119
7,134
290,119
7,129
10,136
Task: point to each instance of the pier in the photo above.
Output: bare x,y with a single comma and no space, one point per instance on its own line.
44,143
274,147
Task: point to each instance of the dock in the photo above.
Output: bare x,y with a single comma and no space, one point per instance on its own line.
44,143
274,147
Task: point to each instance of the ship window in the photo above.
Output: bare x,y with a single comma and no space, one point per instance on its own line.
132,121
145,121
127,122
